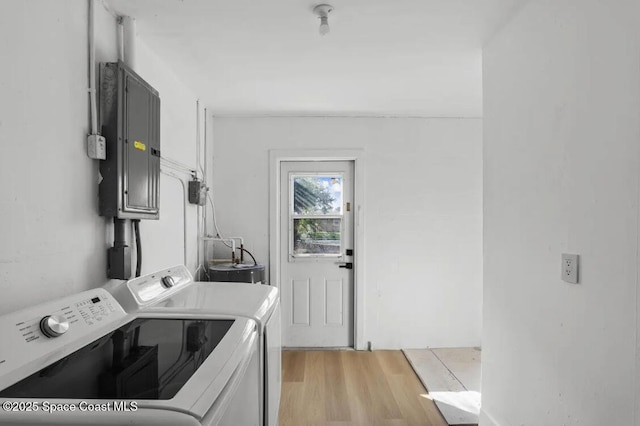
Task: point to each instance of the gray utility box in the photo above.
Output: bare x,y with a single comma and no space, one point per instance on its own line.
130,119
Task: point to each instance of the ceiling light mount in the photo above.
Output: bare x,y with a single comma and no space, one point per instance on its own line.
323,11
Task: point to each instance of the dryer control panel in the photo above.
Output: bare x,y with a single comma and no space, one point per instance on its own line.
42,332
153,287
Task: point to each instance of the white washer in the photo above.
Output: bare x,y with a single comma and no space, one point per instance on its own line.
83,360
173,290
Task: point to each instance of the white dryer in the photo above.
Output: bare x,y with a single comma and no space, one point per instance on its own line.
83,360
173,290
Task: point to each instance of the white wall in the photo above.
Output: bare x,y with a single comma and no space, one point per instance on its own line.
561,173
423,214
53,242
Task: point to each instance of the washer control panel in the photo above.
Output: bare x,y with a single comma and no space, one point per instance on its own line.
40,331
56,322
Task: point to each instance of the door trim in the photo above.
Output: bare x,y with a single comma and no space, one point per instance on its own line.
276,158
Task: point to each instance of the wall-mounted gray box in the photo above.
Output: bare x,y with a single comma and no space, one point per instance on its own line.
130,119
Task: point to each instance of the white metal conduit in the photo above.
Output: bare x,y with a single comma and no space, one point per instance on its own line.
92,70
177,166
120,39
126,53
129,41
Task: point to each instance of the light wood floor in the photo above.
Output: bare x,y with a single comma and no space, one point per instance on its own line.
353,388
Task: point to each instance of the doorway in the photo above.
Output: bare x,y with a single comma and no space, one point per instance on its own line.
316,246
316,253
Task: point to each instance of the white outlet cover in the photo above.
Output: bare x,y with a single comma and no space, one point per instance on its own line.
570,268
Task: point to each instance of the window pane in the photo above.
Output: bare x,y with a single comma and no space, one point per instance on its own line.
316,236
317,195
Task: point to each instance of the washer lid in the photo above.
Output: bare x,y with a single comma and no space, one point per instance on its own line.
107,355
147,358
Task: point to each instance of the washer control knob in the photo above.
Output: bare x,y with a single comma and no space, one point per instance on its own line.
54,325
168,281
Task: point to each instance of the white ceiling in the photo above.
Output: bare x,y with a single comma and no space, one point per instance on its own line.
382,57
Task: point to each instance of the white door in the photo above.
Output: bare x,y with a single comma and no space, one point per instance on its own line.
316,253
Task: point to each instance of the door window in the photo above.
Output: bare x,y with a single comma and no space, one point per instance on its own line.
315,215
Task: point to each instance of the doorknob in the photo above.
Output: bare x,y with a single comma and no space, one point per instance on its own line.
346,265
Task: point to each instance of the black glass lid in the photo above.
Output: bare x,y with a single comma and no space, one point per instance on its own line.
144,359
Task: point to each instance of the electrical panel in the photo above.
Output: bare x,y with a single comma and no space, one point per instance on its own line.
130,119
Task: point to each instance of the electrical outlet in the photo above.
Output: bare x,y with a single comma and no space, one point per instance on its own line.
570,267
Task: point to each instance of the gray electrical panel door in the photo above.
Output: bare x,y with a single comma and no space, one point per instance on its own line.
141,141
130,113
